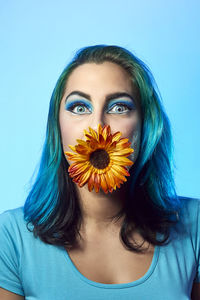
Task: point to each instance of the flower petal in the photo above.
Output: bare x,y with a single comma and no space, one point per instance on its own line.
82,150
116,136
74,169
120,177
99,129
70,155
84,177
110,179
75,166
78,172
109,142
91,182
97,182
111,146
122,142
104,133
72,148
101,140
86,133
121,170
122,146
120,160
82,143
124,152
93,145
104,184
78,158
93,133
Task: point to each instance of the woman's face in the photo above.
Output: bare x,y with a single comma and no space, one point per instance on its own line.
99,93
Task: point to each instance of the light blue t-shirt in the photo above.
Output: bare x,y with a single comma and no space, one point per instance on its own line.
37,270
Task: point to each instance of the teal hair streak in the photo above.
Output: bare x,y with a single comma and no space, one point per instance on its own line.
44,195
156,149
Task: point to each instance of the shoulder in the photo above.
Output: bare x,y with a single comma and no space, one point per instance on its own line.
190,209
12,212
188,225
189,214
12,217
189,222
12,231
13,225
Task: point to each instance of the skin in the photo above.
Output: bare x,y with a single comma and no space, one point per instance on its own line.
99,80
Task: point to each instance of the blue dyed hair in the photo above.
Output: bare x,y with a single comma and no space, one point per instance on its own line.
151,201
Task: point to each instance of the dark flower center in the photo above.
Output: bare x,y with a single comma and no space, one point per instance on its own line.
99,159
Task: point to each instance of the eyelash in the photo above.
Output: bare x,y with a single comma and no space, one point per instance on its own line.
74,105
129,108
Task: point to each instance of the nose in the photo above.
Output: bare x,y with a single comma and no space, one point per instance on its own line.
98,119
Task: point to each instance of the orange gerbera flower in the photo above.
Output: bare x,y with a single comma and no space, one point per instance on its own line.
100,160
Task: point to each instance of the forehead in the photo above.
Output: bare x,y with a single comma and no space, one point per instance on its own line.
105,74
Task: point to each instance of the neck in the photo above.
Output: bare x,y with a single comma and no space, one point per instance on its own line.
98,208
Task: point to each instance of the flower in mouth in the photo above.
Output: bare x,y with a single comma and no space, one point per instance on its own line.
101,160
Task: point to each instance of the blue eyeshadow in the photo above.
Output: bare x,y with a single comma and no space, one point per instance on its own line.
70,104
129,104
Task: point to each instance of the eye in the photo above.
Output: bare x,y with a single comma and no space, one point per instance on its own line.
119,108
78,108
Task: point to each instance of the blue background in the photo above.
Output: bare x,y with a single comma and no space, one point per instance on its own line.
38,38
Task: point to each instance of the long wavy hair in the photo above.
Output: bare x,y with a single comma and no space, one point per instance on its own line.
151,203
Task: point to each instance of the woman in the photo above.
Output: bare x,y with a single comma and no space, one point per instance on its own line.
86,236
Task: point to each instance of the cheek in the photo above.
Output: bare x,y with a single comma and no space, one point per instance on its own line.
68,134
67,138
70,130
135,144
127,126
132,131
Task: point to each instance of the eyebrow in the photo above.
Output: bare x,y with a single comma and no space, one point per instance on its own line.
108,97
